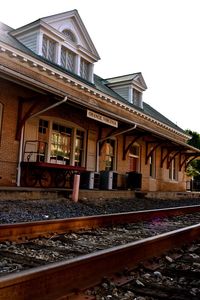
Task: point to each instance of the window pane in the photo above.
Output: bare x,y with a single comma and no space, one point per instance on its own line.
152,165
51,54
48,48
84,70
70,61
61,144
173,171
63,57
44,47
69,35
67,59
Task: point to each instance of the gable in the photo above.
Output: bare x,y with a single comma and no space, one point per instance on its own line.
71,21
128,80
139,80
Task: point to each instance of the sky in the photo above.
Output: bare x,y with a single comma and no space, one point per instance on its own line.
159,38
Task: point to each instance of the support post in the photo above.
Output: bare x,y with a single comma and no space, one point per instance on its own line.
76,184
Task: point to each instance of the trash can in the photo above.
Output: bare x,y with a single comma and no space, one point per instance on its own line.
133,180
108,180
89,180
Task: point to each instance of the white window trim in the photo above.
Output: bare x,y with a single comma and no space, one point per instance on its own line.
173,170
153,175
74,128
138,157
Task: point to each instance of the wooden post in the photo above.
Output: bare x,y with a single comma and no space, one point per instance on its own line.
76,184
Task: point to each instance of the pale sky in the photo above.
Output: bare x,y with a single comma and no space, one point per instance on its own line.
159,38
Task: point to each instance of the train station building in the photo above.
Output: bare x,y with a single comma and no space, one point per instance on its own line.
58,118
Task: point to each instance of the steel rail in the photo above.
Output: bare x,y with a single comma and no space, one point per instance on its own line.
63,279
20,231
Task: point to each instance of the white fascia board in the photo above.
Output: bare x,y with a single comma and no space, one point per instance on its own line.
137,87
88,39
89,55
126,83
25,28
60,16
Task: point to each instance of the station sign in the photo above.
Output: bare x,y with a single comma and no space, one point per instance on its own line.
101,118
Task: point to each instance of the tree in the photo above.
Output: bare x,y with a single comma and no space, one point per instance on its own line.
194,167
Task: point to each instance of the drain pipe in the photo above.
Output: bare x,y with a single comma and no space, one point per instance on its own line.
108,137
22,135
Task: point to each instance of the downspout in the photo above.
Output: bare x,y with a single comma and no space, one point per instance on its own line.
22,135
108,137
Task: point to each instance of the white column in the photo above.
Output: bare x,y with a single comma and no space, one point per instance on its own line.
77,64
39,43
91,68
58,53
140,100
130,95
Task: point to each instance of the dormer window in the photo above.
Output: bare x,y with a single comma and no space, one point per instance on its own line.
69,35
49,48
84,69
137,98
130,87
67,59
63,40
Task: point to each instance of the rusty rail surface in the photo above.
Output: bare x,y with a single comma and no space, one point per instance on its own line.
63,279
17,231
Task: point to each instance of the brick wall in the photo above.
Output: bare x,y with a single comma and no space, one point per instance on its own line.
8,145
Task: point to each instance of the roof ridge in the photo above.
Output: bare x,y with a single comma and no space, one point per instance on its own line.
123,75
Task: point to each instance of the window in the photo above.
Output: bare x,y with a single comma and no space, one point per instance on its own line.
43,126
49,48
173,171
43,134
137,98
61,144
134,151
84,69
134,154
67,59
152,170
1,118
69,35
109,155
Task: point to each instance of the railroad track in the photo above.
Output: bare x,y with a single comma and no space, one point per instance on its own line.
174,275
28,230
47,280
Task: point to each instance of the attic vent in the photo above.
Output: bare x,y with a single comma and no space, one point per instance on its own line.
70,36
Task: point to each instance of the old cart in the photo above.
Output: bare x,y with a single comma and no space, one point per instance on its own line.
35,171
48,175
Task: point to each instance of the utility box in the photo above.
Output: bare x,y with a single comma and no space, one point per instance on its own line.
133,180
108,180
89,180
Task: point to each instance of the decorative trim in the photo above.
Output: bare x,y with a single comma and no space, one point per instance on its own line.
36,63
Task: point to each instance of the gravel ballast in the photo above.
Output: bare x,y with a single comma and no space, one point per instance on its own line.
14,211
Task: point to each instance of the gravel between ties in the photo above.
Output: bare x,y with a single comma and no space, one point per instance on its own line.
13,211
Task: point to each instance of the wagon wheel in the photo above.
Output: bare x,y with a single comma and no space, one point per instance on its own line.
60,179
31,177
70,179
45,179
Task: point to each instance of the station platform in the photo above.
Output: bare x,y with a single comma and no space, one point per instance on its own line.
27,193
